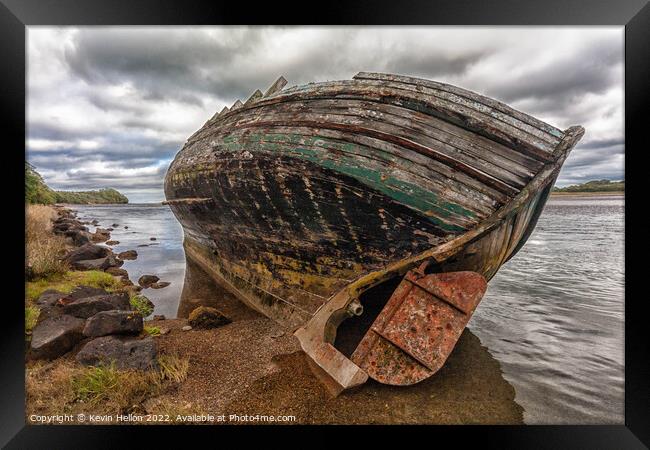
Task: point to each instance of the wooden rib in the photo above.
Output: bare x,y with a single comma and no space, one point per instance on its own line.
254,96
276,87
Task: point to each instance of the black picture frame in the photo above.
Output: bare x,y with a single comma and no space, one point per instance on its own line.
15,15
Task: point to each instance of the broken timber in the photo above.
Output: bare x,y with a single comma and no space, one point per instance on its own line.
304,201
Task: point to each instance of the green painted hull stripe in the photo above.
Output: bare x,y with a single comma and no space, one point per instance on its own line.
405,193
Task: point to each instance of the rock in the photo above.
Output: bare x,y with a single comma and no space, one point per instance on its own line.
186,328
164,330
79,237
277,334
83,291
113,322
139,354
143,245
126,228
147,280
94,222
206,317
49,297
100,235
160,284
109,229
97,264
85,252
129,254
152,238
117,272
88,307
115,225
159,317
112,242
55,336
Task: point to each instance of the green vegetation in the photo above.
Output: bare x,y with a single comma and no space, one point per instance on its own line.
141,304
91,197
69,280
96,383
594,186
31,316
36,191
152,331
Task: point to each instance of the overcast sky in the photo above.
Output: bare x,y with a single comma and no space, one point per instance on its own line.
110,107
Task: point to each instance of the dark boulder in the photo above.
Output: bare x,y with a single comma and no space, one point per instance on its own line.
117,272
160,284
139,354
89,306
113,322
55,336
152,238
129,254
207,317
83,291
112,242
97,264
78,237
101,235
87,251
49,297
147,280
115,225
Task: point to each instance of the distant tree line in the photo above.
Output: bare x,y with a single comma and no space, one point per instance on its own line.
36,191
594,186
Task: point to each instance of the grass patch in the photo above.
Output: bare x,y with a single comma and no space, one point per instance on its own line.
31,317
69,280
96,384
141,304
43,248
63,386
152,331
173,368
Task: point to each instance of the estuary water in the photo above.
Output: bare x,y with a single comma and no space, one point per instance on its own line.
553,316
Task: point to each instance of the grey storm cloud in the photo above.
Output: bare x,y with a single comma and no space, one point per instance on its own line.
111,106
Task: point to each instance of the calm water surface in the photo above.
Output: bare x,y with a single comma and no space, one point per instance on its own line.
553,315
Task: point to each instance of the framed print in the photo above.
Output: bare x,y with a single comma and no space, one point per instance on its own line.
388,215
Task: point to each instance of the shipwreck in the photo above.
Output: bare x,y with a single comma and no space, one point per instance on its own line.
364,215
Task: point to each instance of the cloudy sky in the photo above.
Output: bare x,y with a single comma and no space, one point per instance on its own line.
110,107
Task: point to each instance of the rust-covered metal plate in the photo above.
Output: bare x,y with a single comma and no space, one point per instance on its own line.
419,326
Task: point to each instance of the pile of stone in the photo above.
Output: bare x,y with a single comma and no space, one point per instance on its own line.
103,323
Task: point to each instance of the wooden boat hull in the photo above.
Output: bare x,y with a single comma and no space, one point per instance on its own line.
300,200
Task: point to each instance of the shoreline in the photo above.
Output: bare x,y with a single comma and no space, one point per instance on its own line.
588,194
253,366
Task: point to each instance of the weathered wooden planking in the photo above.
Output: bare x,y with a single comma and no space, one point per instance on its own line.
433,127
453,184
402,129
459,114
516,118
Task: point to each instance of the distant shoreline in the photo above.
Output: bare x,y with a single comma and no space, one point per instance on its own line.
587,194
